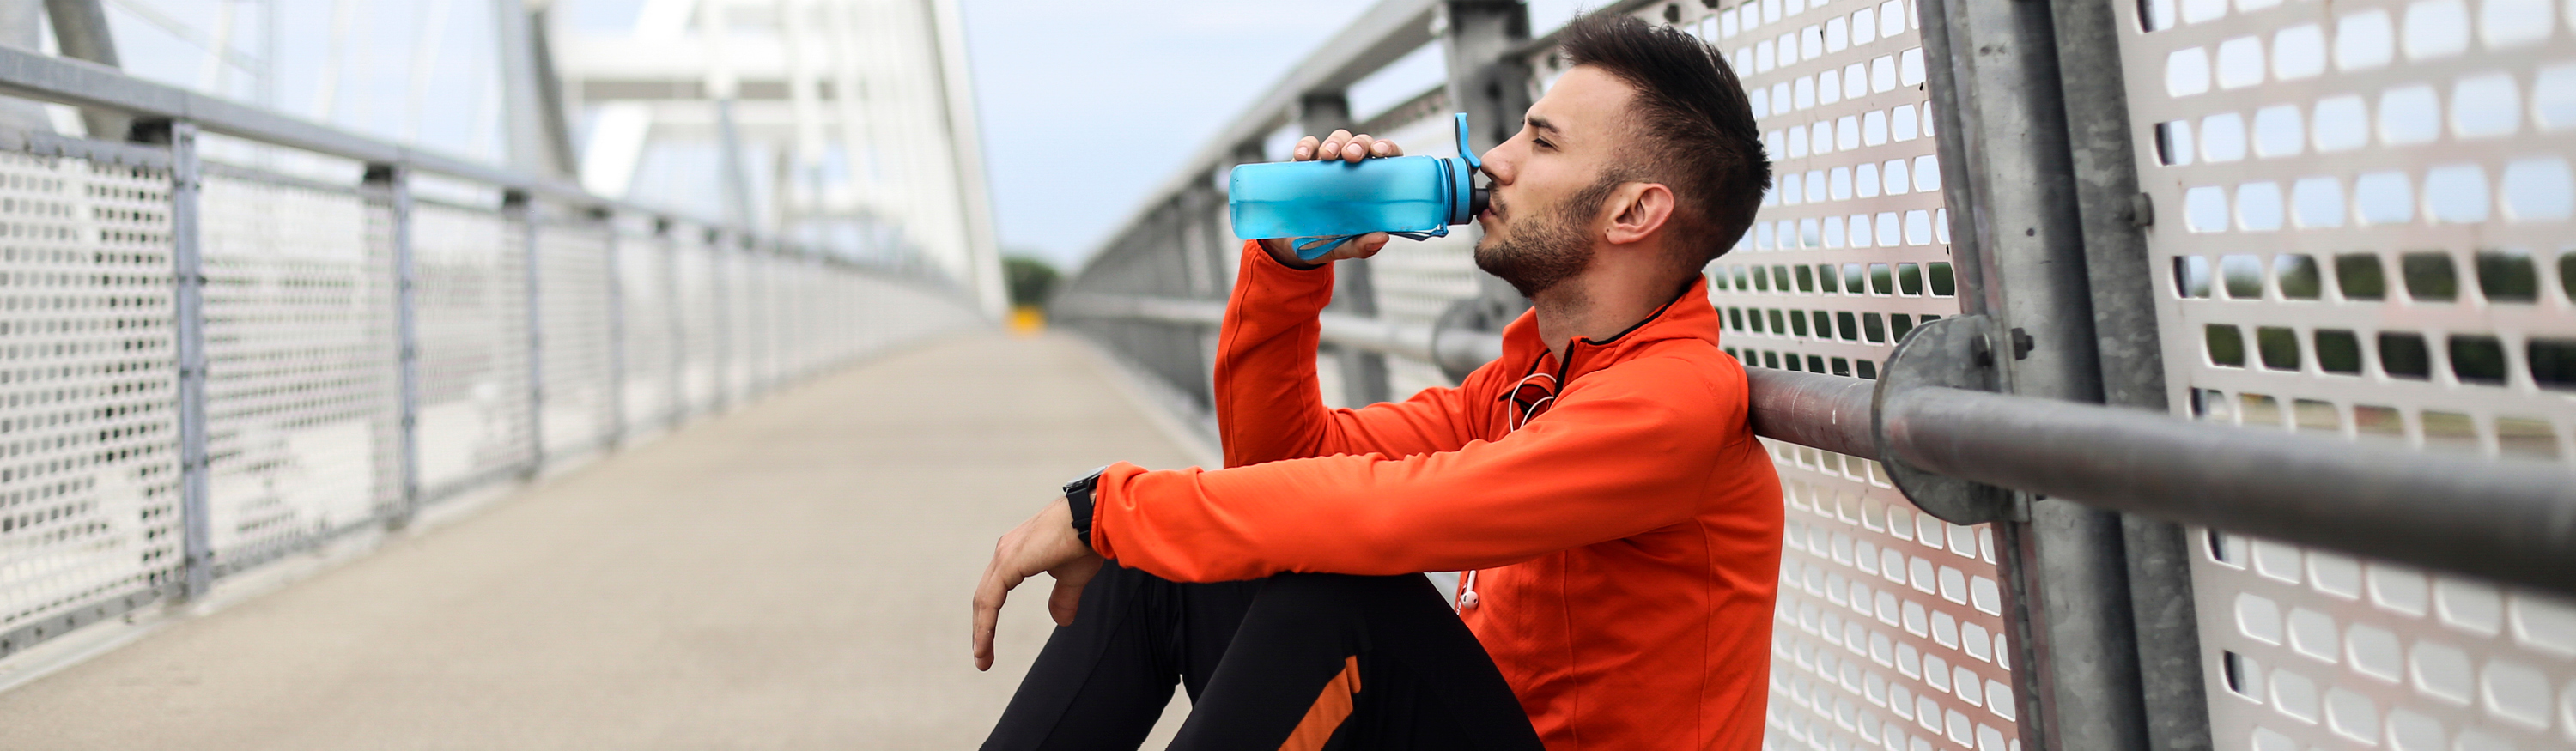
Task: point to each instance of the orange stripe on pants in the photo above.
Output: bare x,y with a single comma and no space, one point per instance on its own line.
1331,707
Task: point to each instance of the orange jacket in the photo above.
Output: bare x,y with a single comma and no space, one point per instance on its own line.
1628,535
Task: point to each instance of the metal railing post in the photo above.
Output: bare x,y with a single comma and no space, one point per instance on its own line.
616,289
2113,214
1492,87
391,183
720,353
675,324
1354,287
188,282
518,209
2006,163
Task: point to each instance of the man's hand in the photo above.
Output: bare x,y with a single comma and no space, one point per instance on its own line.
1044,543
1346,147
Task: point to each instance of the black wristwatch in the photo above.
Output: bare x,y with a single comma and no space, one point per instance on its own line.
1078,497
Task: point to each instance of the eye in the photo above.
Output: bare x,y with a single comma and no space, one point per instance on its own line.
1542,142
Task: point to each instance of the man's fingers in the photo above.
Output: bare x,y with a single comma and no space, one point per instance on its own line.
1369,244
1344,146
1332,145
989,595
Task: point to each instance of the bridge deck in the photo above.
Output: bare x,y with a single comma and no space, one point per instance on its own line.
791,575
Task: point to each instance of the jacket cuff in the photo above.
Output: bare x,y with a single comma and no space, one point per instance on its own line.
1276,278
1108,497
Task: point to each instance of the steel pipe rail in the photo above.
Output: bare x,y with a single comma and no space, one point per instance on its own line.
2509,520
1462,348
1813,409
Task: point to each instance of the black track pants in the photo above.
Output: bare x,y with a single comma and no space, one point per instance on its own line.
1294,661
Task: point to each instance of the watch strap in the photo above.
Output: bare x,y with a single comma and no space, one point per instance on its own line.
1079,496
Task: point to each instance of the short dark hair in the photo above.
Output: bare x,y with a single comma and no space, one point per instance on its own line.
1697,127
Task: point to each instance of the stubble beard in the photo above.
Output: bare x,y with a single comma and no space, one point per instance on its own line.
1546,248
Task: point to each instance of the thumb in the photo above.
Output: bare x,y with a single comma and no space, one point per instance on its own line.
1368,245
1062,602
1070,579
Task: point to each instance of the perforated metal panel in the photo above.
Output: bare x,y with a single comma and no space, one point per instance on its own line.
1890,631
574,319
88,453
302,433
2359,207
471,297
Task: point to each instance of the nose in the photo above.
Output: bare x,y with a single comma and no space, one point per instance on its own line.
1497,165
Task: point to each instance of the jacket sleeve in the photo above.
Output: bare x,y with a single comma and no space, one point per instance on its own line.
1269,404
1624,451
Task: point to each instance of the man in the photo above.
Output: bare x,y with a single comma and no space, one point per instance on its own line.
1618,524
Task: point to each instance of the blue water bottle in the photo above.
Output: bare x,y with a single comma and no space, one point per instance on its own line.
1333,202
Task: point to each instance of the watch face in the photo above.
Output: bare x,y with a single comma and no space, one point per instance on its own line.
1086,481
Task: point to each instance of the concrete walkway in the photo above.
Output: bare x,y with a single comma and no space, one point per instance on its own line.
792,575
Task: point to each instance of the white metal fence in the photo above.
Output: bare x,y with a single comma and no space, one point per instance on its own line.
539,328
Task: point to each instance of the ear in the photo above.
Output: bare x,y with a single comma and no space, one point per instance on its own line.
1639,210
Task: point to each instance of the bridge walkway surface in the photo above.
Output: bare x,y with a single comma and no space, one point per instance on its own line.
794,574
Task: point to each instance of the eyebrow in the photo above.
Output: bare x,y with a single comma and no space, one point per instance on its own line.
1541,123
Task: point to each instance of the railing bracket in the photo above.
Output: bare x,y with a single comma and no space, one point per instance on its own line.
1954,352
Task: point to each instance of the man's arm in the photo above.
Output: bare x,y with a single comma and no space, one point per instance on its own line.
1269,402
1625,451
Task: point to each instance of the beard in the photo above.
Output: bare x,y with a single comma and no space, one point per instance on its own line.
1542,250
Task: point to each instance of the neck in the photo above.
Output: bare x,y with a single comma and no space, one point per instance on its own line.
1597,304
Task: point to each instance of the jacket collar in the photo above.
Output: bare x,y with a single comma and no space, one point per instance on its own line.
1687,316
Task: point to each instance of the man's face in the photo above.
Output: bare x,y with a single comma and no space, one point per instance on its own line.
1548,182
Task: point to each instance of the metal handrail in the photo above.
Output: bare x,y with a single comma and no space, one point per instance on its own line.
2510,520
85,84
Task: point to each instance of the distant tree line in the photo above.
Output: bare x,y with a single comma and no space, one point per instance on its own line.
1031,281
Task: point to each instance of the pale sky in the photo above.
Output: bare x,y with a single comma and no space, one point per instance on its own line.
1087,106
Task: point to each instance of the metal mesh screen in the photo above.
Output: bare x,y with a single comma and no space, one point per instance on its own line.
88,435
695,278
796,310
1890,630
746,366
574,322
302,434
471,297
2362,231
652,336
796,323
